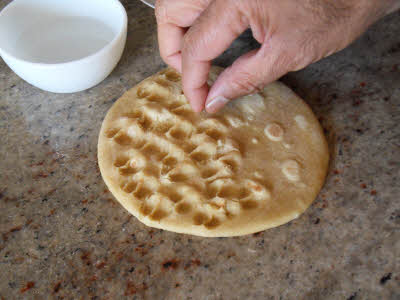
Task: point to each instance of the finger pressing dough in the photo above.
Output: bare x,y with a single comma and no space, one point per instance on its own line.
256,164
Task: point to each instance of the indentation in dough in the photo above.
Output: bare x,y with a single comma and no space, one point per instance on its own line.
153,151
209,172
150,149
183,171
111,132
158,214
168,164
207,147
183,208
183,112
163,127
244,193
145,123
212,223
301,121
126,170
228,191
121,161
138,143
156,111
161,155
129,187
214,134
161,207
152,170
188,147
155,98
178,133
202,138
200,218
231,163
248,204
211,191
142,192
169,192
142,92
274,132
133,115
178,177
122,139
146,209
174,105
291,169
172,76
212,123
199,156
161,81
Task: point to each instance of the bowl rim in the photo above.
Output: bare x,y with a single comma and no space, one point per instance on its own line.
151,3
104,49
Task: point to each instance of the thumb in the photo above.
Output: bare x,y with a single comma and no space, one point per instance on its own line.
248,74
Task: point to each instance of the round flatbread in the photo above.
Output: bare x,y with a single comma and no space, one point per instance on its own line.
256,164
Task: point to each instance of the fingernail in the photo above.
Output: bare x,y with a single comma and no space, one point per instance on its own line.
216,103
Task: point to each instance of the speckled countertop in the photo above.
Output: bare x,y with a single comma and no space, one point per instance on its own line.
63,236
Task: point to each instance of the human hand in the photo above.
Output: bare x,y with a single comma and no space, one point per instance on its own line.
292,34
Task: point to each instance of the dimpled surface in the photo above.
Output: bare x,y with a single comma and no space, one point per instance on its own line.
250,167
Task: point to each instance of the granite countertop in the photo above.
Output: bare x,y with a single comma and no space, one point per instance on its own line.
63,236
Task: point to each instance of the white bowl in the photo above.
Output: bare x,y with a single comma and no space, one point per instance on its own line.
63,46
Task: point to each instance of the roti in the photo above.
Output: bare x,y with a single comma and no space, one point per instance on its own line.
256,164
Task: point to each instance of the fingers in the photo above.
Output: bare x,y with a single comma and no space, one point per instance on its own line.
173,16
209,36
249,73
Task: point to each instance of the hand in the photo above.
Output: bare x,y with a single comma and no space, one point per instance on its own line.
292,34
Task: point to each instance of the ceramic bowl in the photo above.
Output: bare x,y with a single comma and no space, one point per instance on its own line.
63,46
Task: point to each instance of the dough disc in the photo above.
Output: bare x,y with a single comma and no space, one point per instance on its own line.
256,164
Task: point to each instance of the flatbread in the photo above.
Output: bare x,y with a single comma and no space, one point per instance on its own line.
256,164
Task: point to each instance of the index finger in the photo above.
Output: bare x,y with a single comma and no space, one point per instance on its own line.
210,35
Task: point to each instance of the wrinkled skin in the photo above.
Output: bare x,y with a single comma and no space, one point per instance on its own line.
292,34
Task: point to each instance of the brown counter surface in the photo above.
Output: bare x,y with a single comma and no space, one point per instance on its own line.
63,236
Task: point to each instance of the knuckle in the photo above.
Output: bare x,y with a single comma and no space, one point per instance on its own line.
246,83
284,62
307,53
289,56
189,45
